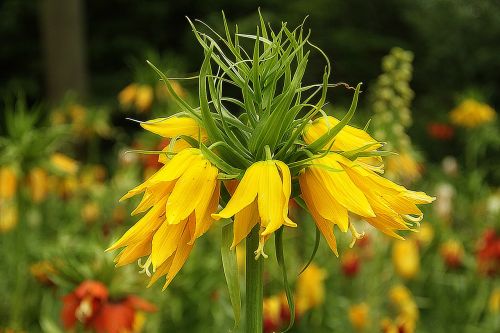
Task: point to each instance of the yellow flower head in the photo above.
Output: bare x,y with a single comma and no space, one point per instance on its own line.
494,302
127,96
39,184
167,232
471,113
261,196
359,316
333,185
8,183
144,98
64,163
406,258
310,291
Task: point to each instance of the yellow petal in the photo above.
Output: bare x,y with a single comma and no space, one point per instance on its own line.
270,198
342,187
189,190
324,226
244,195
206,221
181,254
165,242
173,127
287,190
349,138
143,228
324,203
244,221
133,252
161,270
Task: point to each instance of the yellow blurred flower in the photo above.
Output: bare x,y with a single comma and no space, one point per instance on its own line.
406,258
240,258
9,215
42,270
38,180
403,166
144,98
163,93
425,234
272,309
90,212
64,163
494,302
139,321
452,253
359,316
471,113
78,115
406,308
126,97
399,294
310,290
8,183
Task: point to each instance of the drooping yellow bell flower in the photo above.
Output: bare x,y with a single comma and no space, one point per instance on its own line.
126,97
167,232
144,98
39,184
174,127
8,183
471,113
359,316
262,195
406,258
333,185
64,163
310,291
349,138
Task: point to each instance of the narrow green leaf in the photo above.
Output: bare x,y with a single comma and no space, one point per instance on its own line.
230,265
315,249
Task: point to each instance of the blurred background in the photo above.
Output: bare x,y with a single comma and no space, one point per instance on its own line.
72,71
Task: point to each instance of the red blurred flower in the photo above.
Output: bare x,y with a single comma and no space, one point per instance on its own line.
440,131
90,305
350,263
488,253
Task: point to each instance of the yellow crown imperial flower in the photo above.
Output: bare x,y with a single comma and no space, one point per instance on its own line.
262,195
268,143
167,232
333,185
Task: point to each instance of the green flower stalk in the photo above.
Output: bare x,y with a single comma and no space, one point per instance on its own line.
258,138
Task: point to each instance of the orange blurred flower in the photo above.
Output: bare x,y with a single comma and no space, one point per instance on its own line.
452,253
359,316
8,183
350,263
89,304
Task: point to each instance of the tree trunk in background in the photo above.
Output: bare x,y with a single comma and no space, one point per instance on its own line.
62,28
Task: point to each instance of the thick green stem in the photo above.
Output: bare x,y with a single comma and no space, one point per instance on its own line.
254,286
